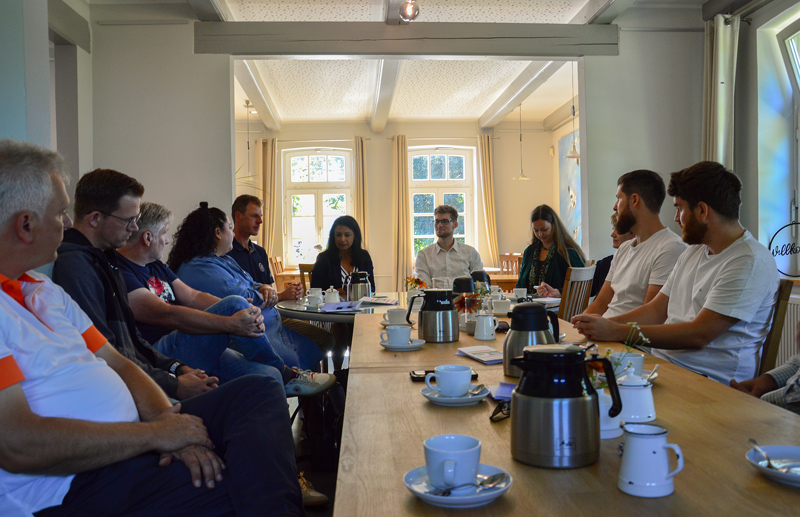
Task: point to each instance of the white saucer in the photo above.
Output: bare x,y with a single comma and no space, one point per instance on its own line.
777,452
466,400
414,344
416,480
645,373
404,322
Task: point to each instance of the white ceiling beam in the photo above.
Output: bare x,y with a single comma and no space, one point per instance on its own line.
255,89
534,75
68,24
561,115
601,11
415,40
384,93
211,10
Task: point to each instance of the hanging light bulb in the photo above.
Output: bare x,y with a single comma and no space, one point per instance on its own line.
573,152
409,10
521,172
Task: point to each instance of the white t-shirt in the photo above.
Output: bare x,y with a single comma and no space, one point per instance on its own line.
741,282
434,262
60,376
637,266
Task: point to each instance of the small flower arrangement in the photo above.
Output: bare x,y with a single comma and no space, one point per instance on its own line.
632,342
415,283
468,303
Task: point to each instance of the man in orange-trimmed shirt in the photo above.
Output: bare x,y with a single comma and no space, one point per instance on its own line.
80,420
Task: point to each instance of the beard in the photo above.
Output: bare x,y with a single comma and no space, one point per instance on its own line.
694,231
625,221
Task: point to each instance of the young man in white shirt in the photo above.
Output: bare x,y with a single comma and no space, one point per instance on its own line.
641,266
714,312
447,257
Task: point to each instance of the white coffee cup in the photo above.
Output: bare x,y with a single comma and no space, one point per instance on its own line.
396,335
452,380
495,289
620,361
315,300
314,290
609,426
395,315
644,471
452,460
501,306
520,292
485,327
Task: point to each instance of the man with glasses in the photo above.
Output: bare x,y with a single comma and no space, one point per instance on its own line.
447,257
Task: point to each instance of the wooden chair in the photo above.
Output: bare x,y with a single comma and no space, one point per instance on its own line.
769,352
276,263
509,264
305,268
575,293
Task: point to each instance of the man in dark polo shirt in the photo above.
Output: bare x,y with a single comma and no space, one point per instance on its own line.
247,220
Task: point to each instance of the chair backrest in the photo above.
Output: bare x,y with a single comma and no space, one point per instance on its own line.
769,352
576,290
305,281
509,263
276,263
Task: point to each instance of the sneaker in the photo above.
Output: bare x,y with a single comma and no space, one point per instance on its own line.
306,382
310,496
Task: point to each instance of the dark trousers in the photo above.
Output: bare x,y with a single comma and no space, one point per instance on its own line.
248,421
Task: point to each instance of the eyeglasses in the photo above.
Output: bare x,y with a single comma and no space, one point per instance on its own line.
129,223
501,411
443,221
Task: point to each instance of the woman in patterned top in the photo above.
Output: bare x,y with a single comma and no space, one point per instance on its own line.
343,255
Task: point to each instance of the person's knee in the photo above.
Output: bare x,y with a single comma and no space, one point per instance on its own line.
229,305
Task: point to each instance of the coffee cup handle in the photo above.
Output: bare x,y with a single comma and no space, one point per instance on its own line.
679,454
384,336
385,316
449,472
428,381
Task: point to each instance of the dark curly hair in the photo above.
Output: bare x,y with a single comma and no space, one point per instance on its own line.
196,235
356,251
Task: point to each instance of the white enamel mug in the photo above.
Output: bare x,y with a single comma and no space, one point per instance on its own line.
645,461
485,326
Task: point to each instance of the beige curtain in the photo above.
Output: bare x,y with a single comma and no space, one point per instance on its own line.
401,223
269,167
721,45
487,184
360,161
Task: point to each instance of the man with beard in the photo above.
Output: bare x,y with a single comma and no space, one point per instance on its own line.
447,257
641,266
714,312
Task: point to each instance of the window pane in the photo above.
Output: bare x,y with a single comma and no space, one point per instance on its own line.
335,168
303,204
438,167
422,203
423,225
422,243
455,200
460,230
327,222
304,227
317,170
420,168
303,250
300,169
334,204
461,240
455,167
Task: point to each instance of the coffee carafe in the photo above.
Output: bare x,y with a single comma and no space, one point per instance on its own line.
555,415
529,326
358,286
438,317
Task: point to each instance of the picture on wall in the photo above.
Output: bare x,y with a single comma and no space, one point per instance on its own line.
569,186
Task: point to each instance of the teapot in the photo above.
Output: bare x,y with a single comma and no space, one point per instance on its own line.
555,416
331,295
358,286
529,326
438,317
637,398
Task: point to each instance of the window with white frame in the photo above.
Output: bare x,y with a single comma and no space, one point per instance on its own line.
440,176
317,184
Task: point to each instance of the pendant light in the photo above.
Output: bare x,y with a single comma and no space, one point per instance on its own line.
409,10
573,152
521,172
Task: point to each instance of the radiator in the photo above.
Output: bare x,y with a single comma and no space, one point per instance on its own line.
789,335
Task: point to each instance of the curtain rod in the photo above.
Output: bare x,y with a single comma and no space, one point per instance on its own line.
321,140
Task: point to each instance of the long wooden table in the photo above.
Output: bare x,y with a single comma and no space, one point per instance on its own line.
387,419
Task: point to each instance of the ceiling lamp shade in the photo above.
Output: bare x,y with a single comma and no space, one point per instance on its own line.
573,152
409,10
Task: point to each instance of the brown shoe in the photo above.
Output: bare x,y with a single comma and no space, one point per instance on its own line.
310,496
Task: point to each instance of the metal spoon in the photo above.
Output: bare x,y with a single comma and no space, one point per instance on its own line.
764,454
475,390
655,369
490,482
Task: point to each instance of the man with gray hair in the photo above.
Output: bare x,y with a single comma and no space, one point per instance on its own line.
447,257
85,429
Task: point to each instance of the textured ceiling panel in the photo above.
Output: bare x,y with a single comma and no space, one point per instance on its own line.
320,90
306,10
450,89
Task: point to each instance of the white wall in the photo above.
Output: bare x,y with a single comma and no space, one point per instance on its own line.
161,113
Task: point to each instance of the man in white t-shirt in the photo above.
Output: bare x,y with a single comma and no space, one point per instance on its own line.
84,430
447,257
714,312
642,265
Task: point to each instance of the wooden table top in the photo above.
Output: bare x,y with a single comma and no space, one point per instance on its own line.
387,419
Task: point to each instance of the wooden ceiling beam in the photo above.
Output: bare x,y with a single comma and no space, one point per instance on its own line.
384,93
255,89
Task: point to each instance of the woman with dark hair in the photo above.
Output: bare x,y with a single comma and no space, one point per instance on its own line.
199,259
343,255
551,253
